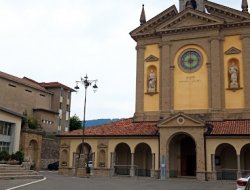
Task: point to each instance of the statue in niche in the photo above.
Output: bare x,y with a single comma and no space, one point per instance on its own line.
233,76
152,81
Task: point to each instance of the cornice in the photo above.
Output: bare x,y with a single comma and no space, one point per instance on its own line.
223,10
140,47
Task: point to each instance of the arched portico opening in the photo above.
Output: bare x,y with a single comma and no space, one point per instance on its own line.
182,156
84,153
143,159
226,162
123,159
244,159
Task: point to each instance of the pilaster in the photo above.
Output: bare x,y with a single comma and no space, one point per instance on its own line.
139,81
246,68
216,74
165,93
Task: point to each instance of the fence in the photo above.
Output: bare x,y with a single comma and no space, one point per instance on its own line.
231,174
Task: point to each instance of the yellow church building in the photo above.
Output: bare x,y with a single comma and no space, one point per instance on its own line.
192,116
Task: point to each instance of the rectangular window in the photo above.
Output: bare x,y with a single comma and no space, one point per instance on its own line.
12,85
5,128
27,90
4,146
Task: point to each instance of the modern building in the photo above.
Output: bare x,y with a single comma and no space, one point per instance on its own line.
192,113
10,127
46,104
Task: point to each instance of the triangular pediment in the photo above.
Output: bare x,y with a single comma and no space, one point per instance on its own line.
232,50
150,26
180,120
227,13
151,58
190,18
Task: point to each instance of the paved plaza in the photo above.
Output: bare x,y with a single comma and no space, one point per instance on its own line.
56,182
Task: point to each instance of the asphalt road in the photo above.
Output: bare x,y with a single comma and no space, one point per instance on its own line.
56,182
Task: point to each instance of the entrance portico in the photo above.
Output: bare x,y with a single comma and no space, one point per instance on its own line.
182,144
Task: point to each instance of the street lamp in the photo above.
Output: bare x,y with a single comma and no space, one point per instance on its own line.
84,81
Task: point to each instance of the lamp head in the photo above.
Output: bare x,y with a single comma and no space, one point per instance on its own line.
95,87
77,87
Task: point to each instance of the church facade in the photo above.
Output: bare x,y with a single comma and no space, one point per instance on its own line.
192,114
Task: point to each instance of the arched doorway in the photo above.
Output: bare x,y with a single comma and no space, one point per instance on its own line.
226,162
244,159
143,159
182,156
123,159
33,154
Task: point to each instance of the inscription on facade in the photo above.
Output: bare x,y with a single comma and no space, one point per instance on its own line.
190,79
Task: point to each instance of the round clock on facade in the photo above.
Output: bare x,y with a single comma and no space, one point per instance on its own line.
190,60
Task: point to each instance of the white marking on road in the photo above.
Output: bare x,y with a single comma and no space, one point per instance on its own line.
26,184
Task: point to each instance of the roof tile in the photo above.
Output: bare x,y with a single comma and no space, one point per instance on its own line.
230,127
124,127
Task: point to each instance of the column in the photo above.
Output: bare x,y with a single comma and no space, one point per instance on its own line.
238,167
217,76
165,79
246,68
152,172
112,164
132,167
93,164
214,174
139,82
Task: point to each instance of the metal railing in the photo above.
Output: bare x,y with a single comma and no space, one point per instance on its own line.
231,174
125,170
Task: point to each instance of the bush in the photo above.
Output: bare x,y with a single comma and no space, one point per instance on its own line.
19,156
4,155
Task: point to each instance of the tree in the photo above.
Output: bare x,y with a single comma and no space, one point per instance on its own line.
75,123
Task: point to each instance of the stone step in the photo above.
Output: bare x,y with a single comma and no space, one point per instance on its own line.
17,172
25,172
22,177
4,166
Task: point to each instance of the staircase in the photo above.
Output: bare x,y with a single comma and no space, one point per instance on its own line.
17,172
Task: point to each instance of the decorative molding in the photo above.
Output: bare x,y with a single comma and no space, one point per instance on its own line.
232,50
138,47
64,146
151,93
151,58
234,89
102,145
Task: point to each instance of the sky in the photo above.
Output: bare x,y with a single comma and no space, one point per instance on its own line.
63,40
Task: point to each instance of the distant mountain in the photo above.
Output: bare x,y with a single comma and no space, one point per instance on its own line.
95,122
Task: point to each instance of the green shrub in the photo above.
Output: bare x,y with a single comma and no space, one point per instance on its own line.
19,156
4,155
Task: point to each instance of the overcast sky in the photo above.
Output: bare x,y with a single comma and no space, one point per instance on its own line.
62,40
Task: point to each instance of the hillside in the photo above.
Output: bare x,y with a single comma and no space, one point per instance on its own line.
95,122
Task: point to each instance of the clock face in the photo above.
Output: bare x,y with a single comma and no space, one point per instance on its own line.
190,61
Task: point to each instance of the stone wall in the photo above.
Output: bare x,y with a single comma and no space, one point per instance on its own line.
50,152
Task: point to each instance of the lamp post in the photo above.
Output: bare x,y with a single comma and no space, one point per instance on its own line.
87,83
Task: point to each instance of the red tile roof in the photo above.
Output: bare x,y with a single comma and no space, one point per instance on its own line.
229,127
124,127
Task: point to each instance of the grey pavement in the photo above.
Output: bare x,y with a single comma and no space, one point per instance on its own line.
57,182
